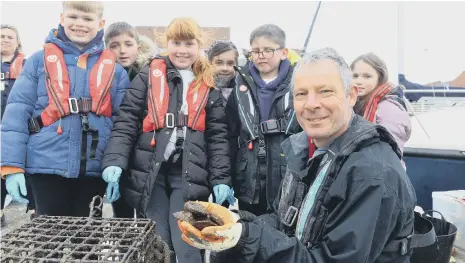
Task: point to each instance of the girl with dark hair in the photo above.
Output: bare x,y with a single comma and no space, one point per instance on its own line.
223,55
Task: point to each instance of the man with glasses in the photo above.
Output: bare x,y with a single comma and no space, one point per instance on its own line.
261,116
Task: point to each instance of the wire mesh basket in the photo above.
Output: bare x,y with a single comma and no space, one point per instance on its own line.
85,240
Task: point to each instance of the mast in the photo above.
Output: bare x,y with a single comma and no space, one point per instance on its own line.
400,39
304,49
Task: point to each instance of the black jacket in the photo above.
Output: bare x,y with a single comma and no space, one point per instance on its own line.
205,158
364,202
132,72
245,162
7,84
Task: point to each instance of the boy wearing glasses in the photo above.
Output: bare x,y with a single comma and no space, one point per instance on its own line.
261,116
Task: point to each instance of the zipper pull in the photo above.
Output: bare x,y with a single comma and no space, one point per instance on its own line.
250,147
153,142
60,129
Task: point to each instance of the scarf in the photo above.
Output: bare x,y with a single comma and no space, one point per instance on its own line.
376,96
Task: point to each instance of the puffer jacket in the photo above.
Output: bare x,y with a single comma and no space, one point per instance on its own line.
205,158
46,152
393,115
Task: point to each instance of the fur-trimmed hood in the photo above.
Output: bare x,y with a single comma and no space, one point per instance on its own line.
148,49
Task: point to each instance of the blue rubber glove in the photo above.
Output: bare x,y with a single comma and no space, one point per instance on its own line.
231,199
16,186
221,192
111,175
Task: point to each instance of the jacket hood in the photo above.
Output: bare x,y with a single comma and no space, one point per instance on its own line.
396,96
147,51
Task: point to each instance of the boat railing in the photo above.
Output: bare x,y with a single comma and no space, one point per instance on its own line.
434,100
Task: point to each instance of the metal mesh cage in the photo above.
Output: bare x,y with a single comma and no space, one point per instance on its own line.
82,239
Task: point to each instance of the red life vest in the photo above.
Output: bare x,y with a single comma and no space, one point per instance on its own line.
15,67
58,86
158,100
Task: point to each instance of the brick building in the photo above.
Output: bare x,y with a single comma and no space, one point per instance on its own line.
210,34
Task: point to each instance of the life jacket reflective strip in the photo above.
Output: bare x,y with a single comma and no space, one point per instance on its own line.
58,84
158,100
16,66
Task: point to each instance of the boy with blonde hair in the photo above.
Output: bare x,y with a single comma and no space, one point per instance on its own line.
58,119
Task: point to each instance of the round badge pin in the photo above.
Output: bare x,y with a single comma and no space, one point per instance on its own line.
156,73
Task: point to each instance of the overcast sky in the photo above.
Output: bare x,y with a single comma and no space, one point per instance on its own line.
434,47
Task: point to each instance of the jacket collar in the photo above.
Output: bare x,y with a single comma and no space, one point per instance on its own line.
295,148
59,38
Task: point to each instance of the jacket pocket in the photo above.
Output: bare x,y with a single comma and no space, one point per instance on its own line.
317,229
286,209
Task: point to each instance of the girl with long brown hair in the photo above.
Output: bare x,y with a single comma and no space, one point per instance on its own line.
379,101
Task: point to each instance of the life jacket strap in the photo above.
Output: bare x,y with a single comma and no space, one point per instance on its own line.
76,106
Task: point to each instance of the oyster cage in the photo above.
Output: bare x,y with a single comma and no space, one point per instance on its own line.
84,239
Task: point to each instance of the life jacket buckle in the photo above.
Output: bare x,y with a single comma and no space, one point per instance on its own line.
272,126
85,123
269,126
182,120
33,125
169,120
2,76
261,150
405,245
179,137
290,216
73,106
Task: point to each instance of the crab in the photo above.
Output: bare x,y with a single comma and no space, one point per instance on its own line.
196,215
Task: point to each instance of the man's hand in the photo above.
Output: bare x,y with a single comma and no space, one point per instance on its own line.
214,238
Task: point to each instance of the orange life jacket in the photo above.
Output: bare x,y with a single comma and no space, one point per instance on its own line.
58,87
158,100
15,67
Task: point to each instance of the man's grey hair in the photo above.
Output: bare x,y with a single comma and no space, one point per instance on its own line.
326,53
271,32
